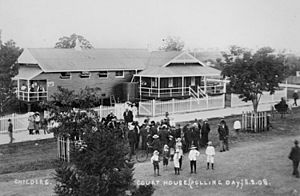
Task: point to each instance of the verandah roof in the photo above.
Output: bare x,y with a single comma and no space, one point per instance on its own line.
179,71
27,73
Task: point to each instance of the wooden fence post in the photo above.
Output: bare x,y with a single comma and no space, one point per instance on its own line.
173,106
153,107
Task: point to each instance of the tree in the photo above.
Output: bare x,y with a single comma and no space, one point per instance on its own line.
99,164
172,44
9,53
251,74
70,42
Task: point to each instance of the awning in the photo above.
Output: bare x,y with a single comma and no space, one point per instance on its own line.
27,73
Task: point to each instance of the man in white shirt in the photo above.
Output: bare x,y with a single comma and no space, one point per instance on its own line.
193,158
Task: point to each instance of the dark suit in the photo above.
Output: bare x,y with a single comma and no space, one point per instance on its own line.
128,116
295,157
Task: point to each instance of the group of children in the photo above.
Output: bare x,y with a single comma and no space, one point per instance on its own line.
176,155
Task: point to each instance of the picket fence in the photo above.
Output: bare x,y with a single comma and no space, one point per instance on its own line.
19,122
254,121
158,108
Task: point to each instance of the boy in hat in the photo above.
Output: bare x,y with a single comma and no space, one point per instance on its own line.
155,162
210,154
176,162
193,158
166,155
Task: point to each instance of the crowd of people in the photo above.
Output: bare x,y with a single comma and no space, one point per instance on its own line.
168,141
35,123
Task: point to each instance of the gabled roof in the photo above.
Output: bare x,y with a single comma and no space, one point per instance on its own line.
27,72
176,64
59,60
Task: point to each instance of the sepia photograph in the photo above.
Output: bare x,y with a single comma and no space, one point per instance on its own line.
149,98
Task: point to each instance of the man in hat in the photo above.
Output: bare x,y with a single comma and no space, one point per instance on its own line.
10,131
128,116
295,97
204,132
164,134
295,157
195,135
210,154
187,136
223,135
156,144
193,158
131,139
155,161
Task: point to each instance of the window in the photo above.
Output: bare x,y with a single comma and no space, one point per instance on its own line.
153,82
103,74
193,83
119,74
65,75
85,74
170,85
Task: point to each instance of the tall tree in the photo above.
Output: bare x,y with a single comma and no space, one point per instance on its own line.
70,42
172,44
251,74
9,53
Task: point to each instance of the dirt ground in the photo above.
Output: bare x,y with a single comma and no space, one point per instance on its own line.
259,157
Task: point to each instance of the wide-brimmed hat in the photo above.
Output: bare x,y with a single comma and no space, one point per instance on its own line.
177,151
193,147
209,143
178,139
155,136
155,152
166,146
164,126
171,136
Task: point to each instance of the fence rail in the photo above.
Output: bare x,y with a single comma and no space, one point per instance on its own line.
157,108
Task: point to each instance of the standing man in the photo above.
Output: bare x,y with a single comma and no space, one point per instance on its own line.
295,97
223,136
131,140
10,131
128,116
295,157
204,132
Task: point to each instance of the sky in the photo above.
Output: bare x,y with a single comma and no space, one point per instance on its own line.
201,24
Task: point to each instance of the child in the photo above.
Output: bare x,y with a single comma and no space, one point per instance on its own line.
178,147
176,161
166,155
155,162
210,152
193,158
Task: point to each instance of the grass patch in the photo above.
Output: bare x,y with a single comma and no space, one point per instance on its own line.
28,156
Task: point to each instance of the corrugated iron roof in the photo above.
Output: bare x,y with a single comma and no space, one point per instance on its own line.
27,72
58,60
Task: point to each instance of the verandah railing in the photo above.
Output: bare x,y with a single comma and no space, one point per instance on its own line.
157,108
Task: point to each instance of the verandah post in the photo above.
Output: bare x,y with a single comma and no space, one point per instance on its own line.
153,107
